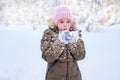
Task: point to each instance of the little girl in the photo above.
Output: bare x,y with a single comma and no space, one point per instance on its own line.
62,46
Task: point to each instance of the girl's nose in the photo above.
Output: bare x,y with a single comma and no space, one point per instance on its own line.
65,25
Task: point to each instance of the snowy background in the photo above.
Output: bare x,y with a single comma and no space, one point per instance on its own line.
90,14
21,28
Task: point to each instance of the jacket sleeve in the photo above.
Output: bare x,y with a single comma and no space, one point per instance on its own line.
77,49
51,47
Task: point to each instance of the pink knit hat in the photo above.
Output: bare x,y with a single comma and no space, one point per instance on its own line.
61,12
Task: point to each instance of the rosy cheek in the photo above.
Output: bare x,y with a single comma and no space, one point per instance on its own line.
68,27
60,26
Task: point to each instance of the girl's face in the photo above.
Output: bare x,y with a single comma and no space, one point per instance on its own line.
64,24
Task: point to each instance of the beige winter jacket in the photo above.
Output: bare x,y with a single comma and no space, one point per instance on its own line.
53,49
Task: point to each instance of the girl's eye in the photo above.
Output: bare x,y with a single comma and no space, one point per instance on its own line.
61,21
68,21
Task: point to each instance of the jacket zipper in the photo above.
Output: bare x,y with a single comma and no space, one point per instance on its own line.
67,64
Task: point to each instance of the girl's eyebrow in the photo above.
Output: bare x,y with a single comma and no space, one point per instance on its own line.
60,20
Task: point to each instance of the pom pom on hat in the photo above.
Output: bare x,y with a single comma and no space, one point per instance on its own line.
61,12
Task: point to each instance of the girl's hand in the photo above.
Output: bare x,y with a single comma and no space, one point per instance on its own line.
64,36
